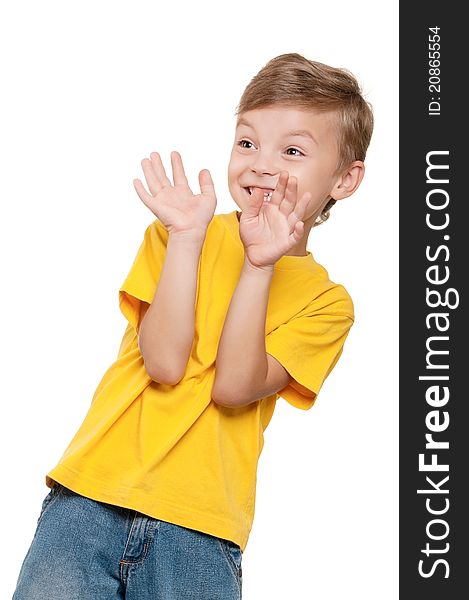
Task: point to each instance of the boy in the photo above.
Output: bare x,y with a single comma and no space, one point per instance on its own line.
154,496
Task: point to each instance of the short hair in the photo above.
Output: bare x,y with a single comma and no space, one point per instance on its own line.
293,80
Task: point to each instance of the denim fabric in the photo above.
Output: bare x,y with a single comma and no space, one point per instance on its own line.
88,550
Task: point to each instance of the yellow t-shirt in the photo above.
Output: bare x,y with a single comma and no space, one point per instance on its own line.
170,451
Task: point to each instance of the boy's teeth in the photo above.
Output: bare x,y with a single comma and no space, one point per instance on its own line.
267,193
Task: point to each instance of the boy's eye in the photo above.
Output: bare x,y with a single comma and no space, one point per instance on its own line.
243,142
296,150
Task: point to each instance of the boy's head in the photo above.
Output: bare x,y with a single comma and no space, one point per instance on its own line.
309,119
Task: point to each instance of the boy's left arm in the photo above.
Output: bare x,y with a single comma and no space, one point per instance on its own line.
244,371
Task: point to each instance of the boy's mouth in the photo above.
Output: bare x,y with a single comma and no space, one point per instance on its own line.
266,191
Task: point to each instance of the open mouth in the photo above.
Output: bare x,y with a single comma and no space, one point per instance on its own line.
267,192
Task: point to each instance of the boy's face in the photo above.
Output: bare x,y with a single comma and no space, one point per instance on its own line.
273,139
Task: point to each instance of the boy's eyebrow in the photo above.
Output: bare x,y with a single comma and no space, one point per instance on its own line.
293,132
301,132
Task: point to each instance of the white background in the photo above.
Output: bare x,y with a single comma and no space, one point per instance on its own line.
91,88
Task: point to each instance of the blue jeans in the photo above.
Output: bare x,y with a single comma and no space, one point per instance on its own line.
88,550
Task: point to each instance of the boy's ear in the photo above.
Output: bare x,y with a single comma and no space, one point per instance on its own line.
348,181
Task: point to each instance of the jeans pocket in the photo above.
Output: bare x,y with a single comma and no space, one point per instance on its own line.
234,556
51,496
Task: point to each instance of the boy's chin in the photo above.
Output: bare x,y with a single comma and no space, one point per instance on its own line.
239,205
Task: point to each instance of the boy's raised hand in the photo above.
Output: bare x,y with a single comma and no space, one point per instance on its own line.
268,229
183,213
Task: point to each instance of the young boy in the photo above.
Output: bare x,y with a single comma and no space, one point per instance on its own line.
154,496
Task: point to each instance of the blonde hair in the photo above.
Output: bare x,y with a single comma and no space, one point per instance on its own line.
293,80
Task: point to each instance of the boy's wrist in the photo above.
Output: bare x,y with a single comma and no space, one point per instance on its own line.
251,269
192,240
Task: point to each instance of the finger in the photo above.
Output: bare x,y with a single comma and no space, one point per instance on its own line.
144,196
299,211
287,205
302,205
179,176
279,193
152,181
158,168
256,201
297,233
206,183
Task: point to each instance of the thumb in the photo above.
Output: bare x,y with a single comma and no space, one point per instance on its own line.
255,204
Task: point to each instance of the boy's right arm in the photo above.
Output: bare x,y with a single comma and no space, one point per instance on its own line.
167,327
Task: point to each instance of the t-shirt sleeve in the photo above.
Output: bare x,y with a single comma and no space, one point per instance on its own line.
308,346
140,284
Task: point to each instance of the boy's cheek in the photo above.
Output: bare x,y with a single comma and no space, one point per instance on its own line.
236,162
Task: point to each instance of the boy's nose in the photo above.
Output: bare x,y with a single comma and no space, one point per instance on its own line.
263,166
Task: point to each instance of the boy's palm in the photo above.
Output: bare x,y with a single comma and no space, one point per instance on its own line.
269,229
181,211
